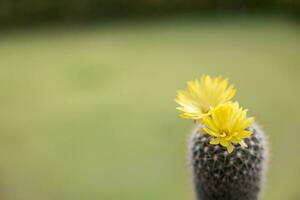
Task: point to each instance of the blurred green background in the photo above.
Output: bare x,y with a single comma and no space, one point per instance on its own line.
88,111
20,12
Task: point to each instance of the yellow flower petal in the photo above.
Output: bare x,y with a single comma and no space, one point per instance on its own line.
215,141
243,144
224,143
210,132
230,148
244,134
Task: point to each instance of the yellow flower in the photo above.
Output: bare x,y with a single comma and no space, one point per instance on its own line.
202,95
228,125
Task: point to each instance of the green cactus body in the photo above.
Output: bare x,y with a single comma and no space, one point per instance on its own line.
219,175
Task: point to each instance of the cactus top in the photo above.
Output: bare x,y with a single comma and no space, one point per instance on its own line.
208,101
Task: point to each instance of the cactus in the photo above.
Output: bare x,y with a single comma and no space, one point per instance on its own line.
228,151
219,175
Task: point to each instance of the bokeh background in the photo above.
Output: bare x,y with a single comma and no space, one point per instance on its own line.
87,92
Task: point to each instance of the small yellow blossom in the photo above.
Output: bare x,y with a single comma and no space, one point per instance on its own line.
228,125
202,95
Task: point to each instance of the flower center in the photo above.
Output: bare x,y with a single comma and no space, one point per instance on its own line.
205,108
223,134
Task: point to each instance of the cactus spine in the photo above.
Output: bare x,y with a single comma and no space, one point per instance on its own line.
219,175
